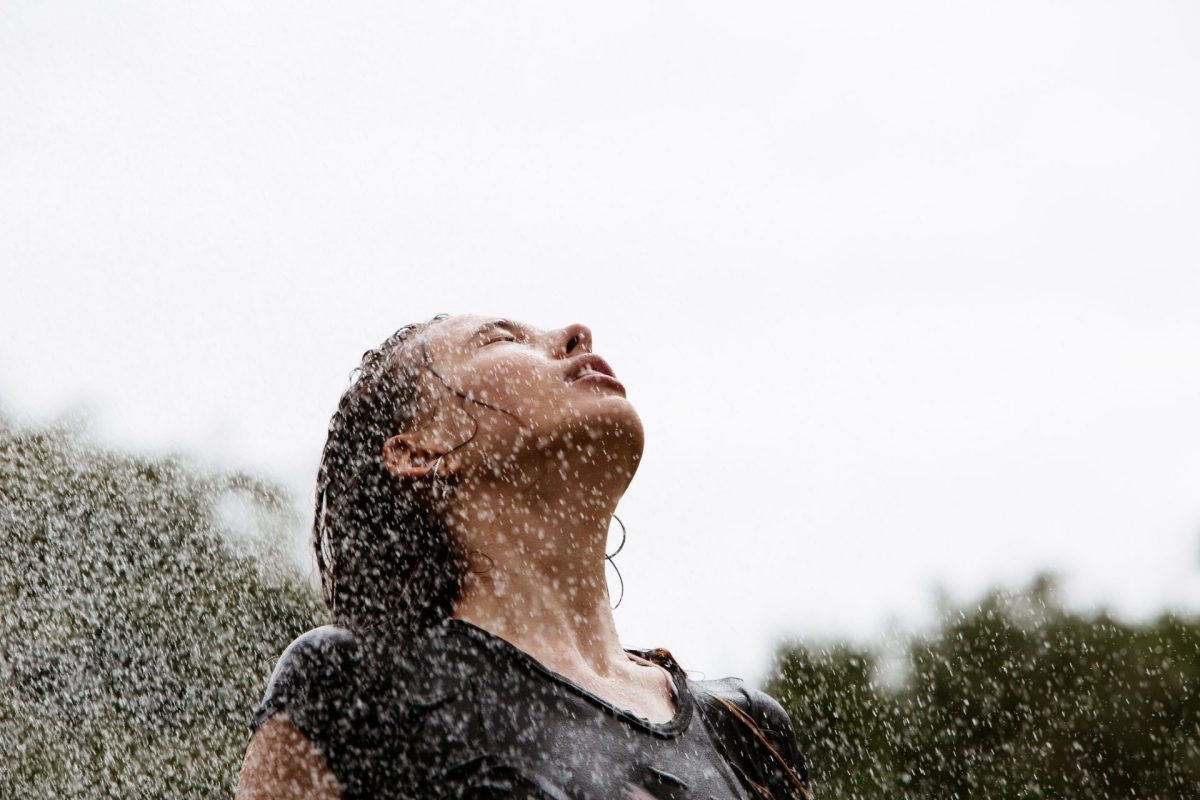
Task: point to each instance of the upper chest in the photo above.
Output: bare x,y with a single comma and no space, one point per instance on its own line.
489,727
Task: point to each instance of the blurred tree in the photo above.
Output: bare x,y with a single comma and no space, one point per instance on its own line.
138,617
1016,697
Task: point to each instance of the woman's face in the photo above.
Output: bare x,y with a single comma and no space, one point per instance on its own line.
534,393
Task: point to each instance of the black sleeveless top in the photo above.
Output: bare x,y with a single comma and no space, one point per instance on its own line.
463,713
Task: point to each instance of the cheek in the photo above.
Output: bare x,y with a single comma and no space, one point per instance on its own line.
515,385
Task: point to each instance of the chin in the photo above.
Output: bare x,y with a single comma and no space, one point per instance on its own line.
612,424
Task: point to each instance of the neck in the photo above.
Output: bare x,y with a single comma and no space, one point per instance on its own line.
540,583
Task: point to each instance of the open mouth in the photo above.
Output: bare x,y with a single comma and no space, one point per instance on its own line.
591,368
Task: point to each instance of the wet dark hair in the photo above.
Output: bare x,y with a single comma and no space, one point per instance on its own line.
383,552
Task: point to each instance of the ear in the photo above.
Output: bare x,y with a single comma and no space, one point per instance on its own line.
405,457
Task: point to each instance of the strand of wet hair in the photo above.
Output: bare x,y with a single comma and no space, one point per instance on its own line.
746,720
340,428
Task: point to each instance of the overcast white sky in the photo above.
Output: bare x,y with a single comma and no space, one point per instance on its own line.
906,294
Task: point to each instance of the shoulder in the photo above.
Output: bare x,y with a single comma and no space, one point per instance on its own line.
327,645
766,712
322,653
313,676
749,724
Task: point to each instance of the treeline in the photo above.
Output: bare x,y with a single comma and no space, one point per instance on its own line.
138,618
143,602
1013,697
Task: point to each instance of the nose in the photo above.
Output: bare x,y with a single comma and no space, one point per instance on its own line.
572,340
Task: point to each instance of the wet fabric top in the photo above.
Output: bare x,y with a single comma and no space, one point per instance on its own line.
463,713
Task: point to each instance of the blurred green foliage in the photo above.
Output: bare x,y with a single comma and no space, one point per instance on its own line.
138,618
1013,697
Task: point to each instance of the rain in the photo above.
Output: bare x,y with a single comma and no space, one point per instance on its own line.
640,401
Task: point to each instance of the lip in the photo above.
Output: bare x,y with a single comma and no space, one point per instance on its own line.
602,372
598,377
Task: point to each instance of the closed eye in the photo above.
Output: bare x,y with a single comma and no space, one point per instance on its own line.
506,330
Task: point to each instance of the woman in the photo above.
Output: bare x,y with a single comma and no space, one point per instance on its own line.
463,503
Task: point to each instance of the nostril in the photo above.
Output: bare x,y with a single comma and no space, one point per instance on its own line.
572,343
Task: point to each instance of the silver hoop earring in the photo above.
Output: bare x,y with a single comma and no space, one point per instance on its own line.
609,558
